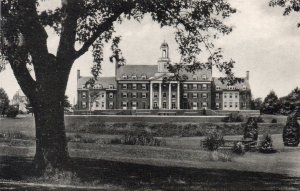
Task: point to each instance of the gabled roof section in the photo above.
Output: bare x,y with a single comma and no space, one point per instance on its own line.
199,74
237,85
136,70
104,81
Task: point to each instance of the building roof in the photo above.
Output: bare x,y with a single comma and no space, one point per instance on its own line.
137,70
104,81
199,73
237,85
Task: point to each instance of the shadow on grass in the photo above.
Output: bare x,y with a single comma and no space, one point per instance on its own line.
92,172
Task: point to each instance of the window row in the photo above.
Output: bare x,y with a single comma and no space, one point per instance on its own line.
134,95
231,95
203,77
98,86
233,104
195,95
134,86
195,86
84,95
133,77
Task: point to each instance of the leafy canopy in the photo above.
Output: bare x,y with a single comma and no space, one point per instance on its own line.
91,24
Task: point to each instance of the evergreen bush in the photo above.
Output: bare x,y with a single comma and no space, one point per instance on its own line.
291,131
238,148
274,120
12,111
266,145
214,140
250,130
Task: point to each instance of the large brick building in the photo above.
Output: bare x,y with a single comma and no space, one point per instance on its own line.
144,87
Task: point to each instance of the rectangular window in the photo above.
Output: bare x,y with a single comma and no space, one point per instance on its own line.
225,95
230,95
97,104
83,95
83,104
225,104
217,96
102,104
204,95
236,95
204,86
134,104
110,86
194,86
124,95
230,104
185,95
111,104
124,86
134,86
144,86
155,95
204,104
164,94
195,95
195,104
134,77
217,87
173,105
164,105
217,105
102,95
236,104
134,95
144,95
173,95
244,104
111,95
155,105
124,104
185,86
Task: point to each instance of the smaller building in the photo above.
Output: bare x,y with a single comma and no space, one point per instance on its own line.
101,97
233,98
20,100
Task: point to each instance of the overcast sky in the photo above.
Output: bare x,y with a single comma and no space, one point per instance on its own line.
263,42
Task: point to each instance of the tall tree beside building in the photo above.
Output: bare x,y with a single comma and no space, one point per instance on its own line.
290,102
271,104
4,101
256,104
90,24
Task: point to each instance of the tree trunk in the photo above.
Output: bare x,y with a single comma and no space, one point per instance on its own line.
51,143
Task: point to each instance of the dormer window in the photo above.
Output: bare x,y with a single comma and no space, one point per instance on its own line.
125,77
143,86
134,77
195,77
144,77
204,77
204,86
110,86
244,87
185,86
217,87
124,86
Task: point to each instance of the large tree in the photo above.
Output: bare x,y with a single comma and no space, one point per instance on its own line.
4,101
90,24
271,104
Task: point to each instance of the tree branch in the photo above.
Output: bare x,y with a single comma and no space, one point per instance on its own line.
100,29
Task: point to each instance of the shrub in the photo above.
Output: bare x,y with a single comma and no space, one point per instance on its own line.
274,120
266,144
138,138
12,111
250,130
238,148
213,140
291,131
259,119
234,117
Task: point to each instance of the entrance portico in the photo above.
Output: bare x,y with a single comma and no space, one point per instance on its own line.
164,95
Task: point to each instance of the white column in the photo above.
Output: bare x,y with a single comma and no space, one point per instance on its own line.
170,92
178,95
159,95
151,95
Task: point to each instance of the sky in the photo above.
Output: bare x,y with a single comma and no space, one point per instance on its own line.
263,41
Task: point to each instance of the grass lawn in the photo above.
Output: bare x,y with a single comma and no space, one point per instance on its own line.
179,165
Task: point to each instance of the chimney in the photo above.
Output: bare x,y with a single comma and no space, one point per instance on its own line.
247,75
78,74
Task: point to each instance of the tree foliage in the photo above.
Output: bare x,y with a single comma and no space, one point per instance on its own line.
271,104
4,101
291,131
290,102
288,5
